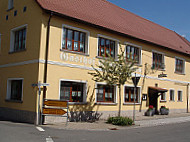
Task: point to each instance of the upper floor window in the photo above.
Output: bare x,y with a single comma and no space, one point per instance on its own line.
131,95
15,89
133,53
18,39
72,91
74,40
105,93
10,4
106,47
158,61
179,65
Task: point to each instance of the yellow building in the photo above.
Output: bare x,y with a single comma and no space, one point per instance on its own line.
56,42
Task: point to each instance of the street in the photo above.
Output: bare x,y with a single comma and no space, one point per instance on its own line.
18,132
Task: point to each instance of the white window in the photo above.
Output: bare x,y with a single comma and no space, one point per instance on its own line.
172,95
72,91
18,39
163,97
179,65
105,93
10,4
15,89
75,40
107,46
179,95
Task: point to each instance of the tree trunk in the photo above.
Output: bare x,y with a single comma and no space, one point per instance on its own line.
119,111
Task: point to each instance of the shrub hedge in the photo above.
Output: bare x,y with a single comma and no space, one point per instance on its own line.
121,121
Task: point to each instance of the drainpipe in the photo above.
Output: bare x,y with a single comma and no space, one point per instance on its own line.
46,54
187,97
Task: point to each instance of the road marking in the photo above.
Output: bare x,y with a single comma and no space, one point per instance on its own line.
49,139
40,129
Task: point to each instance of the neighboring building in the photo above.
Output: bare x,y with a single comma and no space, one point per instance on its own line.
80,33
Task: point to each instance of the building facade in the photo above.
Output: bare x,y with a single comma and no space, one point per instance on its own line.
33,33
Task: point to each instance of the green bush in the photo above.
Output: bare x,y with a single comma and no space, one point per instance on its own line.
121,121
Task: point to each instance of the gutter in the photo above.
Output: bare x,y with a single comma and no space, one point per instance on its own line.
46,54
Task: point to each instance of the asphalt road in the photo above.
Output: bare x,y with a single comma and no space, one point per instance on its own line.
17,132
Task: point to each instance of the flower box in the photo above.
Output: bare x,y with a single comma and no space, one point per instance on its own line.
164,110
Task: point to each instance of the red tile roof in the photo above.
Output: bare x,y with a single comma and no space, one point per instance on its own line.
110,16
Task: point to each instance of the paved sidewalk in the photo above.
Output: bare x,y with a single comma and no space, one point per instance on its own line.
143,121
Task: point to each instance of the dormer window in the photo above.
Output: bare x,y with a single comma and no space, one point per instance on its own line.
10,4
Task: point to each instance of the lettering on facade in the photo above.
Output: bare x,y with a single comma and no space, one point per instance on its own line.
77,59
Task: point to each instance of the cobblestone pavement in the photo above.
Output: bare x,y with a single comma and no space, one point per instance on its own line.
143,121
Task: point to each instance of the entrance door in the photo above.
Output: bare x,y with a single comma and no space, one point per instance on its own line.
153,100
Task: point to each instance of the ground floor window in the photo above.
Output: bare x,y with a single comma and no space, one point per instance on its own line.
171,95
163,97
130,94
15,88
179,95
72,91
105,93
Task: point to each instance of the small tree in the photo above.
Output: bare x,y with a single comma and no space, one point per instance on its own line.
114,72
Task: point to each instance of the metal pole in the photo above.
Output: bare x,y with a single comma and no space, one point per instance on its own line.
134,101
39,93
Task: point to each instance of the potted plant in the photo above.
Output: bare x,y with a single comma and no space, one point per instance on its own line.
164,110
150,111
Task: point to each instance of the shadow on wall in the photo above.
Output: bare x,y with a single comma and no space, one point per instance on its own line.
85,113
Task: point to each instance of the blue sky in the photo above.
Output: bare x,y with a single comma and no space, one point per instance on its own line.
172,14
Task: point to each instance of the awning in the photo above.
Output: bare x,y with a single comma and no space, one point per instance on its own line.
157,89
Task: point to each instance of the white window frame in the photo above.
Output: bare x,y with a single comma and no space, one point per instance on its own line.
105,103
164,97
137,46
77,81
8,97
12,38
183,72
110,38
173,95
163,58
181,95
10,4
139,97
86,39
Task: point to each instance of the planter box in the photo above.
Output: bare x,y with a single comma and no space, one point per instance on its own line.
164,111
150,112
